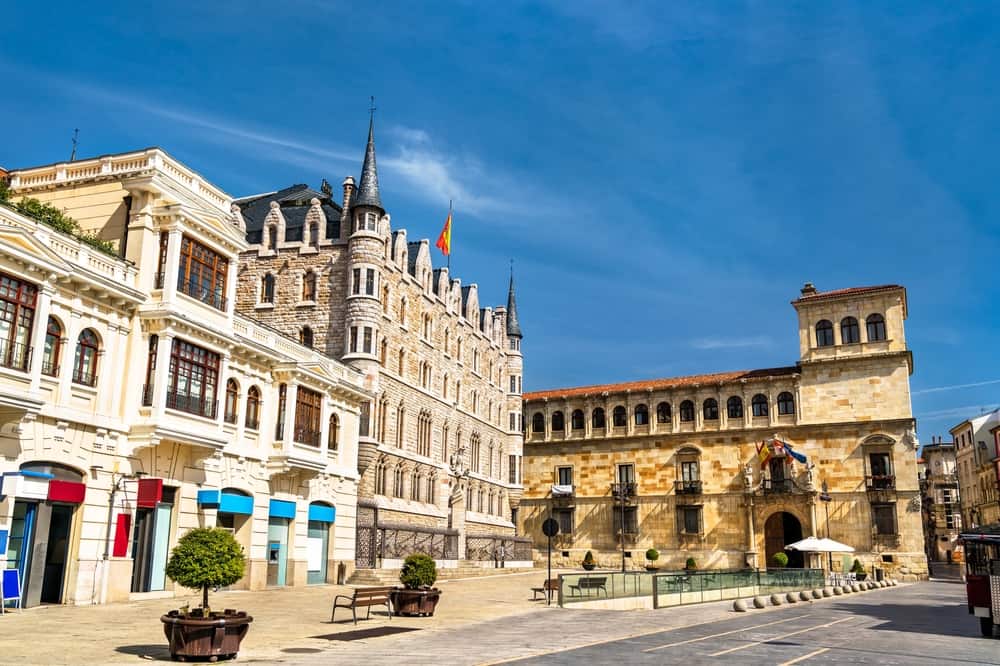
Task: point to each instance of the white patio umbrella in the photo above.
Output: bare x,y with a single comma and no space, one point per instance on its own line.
817,545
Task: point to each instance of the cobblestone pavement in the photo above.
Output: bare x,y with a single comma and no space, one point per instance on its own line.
479,621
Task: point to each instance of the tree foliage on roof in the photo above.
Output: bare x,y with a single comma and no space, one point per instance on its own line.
51,216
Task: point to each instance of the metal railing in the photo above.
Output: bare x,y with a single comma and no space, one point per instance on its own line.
628,490
15,355
198,292
777,486
687,487
308,436
880,482
498,546
147,395
398,541
192,404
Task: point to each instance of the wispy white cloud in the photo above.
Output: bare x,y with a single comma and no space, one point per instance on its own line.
955,387
954,413
731,343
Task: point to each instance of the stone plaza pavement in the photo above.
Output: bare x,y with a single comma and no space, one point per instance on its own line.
480,620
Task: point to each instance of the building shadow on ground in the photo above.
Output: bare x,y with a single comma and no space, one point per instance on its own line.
942,616
149,652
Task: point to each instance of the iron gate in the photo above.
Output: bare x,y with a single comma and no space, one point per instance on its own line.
366,543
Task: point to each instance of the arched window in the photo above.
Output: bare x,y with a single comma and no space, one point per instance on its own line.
875,323
267,288
306,336
710,409
824,333
759,405
734,407
333,440
576,420
849,331
538,422
786,403
687,411
232,400
252,420
558,421
641,415
53,347
618,417
663,412
597,418
85,364
309,286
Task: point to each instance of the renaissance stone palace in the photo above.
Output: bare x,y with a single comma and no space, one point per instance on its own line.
728,468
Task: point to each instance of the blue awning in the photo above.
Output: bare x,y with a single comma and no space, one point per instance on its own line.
322,513
281,509
226,502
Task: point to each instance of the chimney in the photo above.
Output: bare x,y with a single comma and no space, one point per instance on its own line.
345,213
809,289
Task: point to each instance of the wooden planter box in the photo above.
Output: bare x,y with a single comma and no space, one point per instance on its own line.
414,602
216,636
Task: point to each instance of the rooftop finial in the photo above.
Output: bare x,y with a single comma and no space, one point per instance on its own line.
368,194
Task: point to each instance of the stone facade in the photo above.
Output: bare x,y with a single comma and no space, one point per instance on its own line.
110,455
443,446
942,508
686,451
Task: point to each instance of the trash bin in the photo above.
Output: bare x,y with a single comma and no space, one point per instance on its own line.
879,573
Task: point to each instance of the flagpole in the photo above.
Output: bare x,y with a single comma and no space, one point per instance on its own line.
449,237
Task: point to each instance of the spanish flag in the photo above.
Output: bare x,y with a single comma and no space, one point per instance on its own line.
764,453
444,240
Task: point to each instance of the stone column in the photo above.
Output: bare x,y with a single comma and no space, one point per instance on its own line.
172,265
220,390
288,434
73,328
42,309
161,377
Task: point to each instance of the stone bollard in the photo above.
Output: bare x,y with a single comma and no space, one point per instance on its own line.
838,590
882,583
827,591
804,596
846,589
817,593
791,598
893,582
775,599
758,602
740,606
855,587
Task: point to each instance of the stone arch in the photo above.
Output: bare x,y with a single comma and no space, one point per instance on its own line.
783,526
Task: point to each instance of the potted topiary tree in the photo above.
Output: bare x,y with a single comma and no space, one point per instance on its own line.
779,560
858,570
588,562
204,558
691,564
416,597
651,556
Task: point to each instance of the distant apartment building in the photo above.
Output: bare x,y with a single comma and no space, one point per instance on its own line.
942,507
977,457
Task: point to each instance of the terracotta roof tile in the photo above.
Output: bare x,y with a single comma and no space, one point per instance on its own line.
659,384
850,291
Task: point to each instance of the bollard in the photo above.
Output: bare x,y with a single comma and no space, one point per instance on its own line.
791,598
758,602
838,590
827,591
846,589
775,599
817,593
855,587
804,596
740,606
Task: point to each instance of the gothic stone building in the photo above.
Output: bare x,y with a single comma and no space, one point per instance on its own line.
674,464
440,452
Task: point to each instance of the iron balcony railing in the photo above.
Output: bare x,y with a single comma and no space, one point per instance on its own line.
304,435
15,355
777,486
49,368
201,293
880,482
623,490
687,487
158,281
147,395
193,404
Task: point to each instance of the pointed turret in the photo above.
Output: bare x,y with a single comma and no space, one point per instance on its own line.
513,327
368,194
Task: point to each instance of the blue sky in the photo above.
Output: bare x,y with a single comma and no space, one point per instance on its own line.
665,175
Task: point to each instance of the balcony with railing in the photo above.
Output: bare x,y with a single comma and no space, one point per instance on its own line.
880,482
624,491
202,293
777,486
687,487
307,435
192,404
15,355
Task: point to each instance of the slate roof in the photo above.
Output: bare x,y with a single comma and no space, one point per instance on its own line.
294,202
412,249
513,325
659,384
368,194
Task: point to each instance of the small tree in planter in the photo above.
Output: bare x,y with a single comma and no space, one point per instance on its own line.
691,564
858,570
588,561
651,556
416,597
203,558
780,560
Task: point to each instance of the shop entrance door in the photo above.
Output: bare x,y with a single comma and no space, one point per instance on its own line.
319,541
22,529
56,551
277,551
150,543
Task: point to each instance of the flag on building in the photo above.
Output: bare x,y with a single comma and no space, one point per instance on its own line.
795,454
763,453
444,240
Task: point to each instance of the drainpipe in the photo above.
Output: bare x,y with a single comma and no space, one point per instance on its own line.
105,565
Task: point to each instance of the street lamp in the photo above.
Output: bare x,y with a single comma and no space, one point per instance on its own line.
622,491
826,499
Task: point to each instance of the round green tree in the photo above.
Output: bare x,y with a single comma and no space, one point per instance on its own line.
652,554
857,567
204,558
588,558
779,560
419,570
691,564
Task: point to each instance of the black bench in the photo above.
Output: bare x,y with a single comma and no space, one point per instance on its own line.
588,583
363,596
547,588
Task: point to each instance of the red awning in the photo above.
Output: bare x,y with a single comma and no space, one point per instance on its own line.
149,494
66,491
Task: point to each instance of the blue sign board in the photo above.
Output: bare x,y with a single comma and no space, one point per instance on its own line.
282,509
10,587
322,513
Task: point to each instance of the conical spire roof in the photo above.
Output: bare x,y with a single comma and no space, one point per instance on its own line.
368,194
513,327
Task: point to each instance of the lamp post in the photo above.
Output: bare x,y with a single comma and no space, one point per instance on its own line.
622,490
826,499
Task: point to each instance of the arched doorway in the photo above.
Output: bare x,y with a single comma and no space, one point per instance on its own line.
781,529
